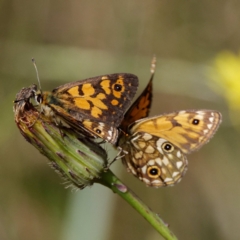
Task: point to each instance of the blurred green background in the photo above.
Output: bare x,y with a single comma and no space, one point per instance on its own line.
73,40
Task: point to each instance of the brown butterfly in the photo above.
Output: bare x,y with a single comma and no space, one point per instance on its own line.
154,148
95,106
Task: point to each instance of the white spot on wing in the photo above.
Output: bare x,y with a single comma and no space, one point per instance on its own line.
147,181
144,169
147,136
179,154
179,164
168,179
132,169
181,112
151,162
156,181
159,143
138,155
205,131
165,161
175,174
209,126
211,119
141,144
149,149
158,161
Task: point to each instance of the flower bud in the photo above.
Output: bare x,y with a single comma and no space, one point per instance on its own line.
74,156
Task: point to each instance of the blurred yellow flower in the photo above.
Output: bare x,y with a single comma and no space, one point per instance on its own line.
225,77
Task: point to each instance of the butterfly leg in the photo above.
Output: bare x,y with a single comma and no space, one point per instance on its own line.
121,153
60,125
101,142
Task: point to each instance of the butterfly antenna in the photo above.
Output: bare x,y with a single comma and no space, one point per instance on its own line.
153,64
35,66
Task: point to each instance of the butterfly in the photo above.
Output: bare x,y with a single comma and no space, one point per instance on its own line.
95,106
155,148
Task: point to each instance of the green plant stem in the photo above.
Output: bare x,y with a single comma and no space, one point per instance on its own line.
109,180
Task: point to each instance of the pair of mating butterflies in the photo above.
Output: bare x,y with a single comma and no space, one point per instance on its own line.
154,148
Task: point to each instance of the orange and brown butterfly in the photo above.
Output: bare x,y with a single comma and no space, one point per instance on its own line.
95,106
153,149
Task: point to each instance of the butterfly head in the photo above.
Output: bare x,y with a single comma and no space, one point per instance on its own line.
31,95
32,92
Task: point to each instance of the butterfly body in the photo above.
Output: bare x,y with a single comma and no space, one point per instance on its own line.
155,147
95,106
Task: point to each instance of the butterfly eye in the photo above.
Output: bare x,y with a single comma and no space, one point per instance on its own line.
118,87
154,172
38,98
167,147
195,121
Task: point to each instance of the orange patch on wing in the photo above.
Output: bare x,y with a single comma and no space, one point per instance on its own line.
82,103
101,96
141,110
144,102
114,102
74,91
87,124
98,103
96,112
88,89
106,85
156,125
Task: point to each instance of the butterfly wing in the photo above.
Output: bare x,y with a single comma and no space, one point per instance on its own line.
188,130
140,108
103,98
87,127
101,130
154,160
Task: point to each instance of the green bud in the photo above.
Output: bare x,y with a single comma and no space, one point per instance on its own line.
74,156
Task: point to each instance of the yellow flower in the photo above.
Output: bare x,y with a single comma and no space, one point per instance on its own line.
225,78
